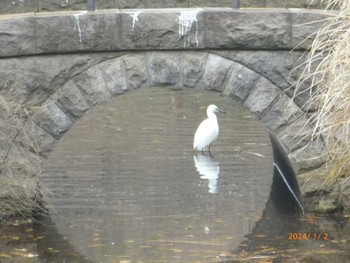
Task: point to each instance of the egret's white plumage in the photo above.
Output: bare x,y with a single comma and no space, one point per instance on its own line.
208,131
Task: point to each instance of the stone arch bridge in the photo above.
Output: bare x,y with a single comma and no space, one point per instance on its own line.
65,63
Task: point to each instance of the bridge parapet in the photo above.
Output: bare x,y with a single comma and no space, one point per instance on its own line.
158,29
25,6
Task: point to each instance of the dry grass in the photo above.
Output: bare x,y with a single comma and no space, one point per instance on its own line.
330,89
19,165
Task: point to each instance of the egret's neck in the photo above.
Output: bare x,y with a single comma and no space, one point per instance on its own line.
211,115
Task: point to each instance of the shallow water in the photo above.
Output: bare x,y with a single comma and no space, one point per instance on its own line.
124,185
128,181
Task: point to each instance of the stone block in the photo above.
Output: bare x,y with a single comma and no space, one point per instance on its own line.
309,157
165,68
247,29
261,97
52,119
91,85
17,6
241,81
193,67
296,135
32,79
278,66
163,29
81,31
70,100
113,74
305,25
281,113
42,141
17,35
136,71
216,74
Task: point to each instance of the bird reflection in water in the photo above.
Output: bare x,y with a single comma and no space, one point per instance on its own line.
209,169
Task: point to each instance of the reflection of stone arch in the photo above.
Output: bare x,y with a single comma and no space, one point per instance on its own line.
198,70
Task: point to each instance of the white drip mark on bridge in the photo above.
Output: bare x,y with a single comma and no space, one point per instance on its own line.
78,28
135,17
186,20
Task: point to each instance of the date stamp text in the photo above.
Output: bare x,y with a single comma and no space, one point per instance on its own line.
307,236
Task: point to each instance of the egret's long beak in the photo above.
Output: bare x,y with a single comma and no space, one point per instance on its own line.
222,111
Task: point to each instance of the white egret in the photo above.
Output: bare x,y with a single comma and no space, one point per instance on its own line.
208,131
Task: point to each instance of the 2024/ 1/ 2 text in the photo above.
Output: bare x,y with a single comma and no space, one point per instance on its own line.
307,236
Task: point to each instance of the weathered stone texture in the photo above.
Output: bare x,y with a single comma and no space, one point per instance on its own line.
283,112
91,84
136,72
70,100
307,158
67,32
43,142
305,24
17,6
52,119
296,135
31,80
216,74
193,66
282,68
165,69
113,30
113,74
266,92
247,29
165,29
17,35
241,82
319,197
25,6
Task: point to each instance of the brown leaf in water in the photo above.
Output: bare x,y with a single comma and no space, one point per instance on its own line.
97,245
52,250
